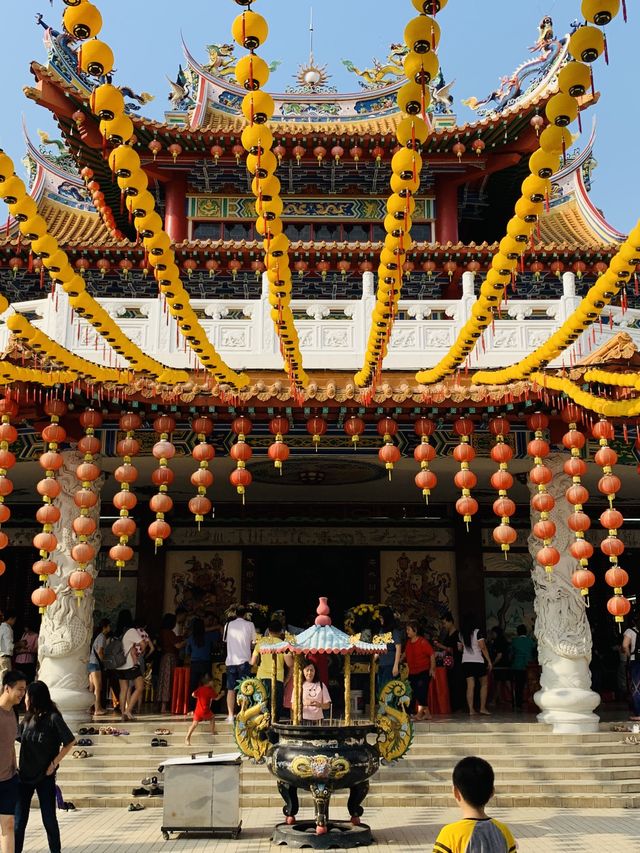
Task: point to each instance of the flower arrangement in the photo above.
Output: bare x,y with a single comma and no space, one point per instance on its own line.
364,617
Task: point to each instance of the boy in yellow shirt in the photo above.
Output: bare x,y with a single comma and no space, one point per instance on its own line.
473,783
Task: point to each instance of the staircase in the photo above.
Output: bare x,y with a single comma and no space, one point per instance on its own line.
533,766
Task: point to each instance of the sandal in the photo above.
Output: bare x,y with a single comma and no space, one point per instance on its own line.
136,807
82,753
140,792
158,741
151,780
162,732
85,741
633,739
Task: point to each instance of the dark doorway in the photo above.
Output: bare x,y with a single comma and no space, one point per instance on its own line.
292,579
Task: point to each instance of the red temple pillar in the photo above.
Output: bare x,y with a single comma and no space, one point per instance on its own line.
175,217
446,209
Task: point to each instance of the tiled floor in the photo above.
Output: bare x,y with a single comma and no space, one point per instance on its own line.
537,831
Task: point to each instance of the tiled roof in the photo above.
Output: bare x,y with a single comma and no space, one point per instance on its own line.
327,639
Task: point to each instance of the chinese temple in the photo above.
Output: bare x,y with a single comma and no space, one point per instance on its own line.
232,361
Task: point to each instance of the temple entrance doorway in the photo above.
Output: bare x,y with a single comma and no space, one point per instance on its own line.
292,579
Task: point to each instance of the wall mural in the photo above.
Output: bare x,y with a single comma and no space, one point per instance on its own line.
419,585
202,581
113,595
509,602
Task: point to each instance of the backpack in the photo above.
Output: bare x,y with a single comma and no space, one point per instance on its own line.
114,656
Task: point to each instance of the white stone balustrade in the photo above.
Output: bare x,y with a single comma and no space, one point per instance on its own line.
333,333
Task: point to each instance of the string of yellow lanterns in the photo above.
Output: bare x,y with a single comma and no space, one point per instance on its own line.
32,226
421,66
83,20
250,31
588,400
599,295
585,46
39,342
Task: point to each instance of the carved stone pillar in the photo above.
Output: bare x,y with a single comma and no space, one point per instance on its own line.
67,625
565,699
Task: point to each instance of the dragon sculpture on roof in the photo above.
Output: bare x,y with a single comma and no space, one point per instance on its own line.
547,49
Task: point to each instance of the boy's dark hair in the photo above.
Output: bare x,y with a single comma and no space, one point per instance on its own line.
240,612
275,627
474,778
12,677
522,630
10,614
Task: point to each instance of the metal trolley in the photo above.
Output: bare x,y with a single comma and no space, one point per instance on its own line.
202,795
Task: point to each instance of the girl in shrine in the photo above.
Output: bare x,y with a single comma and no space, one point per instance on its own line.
315,696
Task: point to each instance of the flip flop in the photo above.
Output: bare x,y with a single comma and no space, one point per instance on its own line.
136,807
151,780
140,792
85,741
158,741
162,732
83,731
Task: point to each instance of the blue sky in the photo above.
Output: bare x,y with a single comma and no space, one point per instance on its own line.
481,42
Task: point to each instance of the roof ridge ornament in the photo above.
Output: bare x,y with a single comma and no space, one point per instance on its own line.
323,619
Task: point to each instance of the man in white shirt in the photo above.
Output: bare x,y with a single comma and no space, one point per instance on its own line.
6,642
239,635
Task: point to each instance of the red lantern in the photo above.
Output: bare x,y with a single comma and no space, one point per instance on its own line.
424,453
46,543
464,454
48,514
618,607
424,427
43,597
200,506
158,531
354,427
83,553
161,503
504,507
44,568
164,424
466,507
79,581
581,550
544,529
426,480
611,519
583,579
202,477
85,499
390,455
241,451
575,467
241,426
579,522
278,453
123,527
609,485
501,480
616,577
316,427
125,500
465,479
121,554
504,535
241,479
548,557
387,428
612,547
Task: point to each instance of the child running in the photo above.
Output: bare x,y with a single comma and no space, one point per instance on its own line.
473,782
204,696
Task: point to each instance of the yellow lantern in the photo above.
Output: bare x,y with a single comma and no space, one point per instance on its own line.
252,72
262,166
422,68
96,58
403,186
586,44
23,209
536,189
562,109
397,227
406,163
412,132
511,247
257,139
519,229
503,264
117,131
413,99
45,246
258,107
136,183
6,166
278,246
148,225
399,245
124,161
574,79
34,227
83,21
399,207
266,227
429,7
422,34
250,30
528,210
107,102
12,190
157,244
266,187
141,204
555,140
600,12
543,164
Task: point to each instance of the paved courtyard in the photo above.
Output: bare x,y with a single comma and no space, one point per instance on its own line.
537,831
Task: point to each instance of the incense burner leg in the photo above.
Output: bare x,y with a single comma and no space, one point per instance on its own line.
289,794
357,793
321,796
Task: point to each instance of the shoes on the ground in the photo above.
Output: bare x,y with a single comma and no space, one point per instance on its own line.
230,720
136,807
140,792
158,741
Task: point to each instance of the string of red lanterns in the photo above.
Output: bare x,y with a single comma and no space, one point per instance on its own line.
425,453
241,452
577,495
49,488
162,477
465,479
87,472
504,534
8,434
541,475
125,500
202,478
278,451
389,453
611,520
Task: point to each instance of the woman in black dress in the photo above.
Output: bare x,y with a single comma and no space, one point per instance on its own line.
45,739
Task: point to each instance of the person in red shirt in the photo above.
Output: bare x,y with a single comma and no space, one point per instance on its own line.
204,696
421,661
